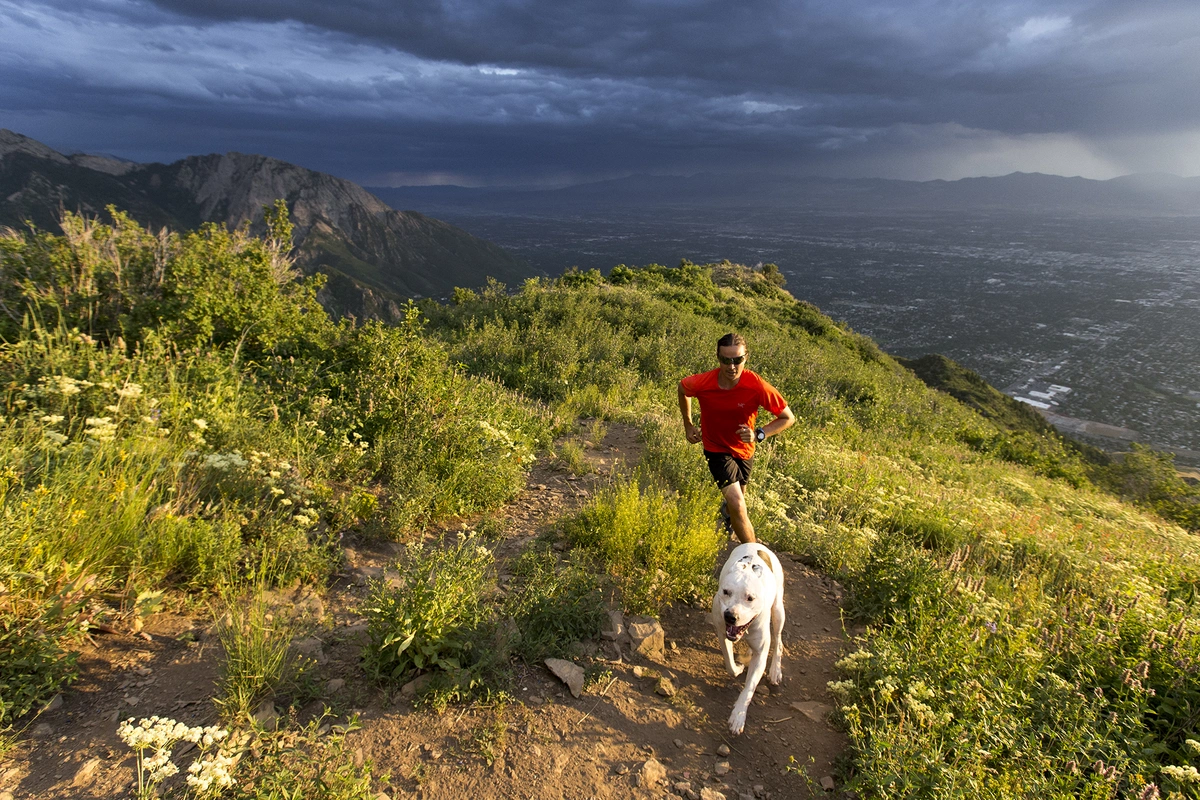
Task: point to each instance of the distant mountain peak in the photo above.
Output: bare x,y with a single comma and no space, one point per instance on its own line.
341,228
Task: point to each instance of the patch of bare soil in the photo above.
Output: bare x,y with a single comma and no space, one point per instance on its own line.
628,735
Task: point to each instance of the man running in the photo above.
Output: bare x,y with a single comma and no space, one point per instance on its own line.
729,400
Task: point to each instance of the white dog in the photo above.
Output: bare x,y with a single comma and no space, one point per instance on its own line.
749,603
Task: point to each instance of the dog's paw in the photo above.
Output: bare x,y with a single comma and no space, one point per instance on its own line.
737,721
736,669
775,676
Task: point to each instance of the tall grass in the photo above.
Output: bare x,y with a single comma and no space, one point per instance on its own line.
258,660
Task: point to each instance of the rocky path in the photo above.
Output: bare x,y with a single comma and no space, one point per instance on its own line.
629,734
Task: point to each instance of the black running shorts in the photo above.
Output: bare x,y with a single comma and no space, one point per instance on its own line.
727,469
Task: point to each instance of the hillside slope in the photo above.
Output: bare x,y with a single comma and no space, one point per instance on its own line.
1017,631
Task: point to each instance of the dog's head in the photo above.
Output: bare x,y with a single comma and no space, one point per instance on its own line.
747,590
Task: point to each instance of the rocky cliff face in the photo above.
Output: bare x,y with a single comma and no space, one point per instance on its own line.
341,229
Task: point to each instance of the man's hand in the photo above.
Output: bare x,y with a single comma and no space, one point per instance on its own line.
693,433
745,433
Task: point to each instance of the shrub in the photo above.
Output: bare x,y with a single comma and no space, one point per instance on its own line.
658,547
39,614
209,286
431,617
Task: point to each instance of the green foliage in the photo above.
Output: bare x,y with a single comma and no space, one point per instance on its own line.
573,276
258,660
658,547
431,617
309,762
39,614
211,427
977,556
430,442
209,286
555,607
1149,478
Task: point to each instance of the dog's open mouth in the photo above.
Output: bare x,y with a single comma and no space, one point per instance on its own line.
735,632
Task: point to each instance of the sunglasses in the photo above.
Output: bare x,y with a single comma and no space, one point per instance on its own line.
731,361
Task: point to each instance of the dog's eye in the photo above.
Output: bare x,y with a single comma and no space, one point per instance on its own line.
725,592
749,598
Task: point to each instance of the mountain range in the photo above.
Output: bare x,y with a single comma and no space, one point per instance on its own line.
374,255
1130,195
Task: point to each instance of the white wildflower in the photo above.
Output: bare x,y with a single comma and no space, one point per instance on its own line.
129,391
212,772
202,424
1186,774
100,429
64,385
52,419
855,660
224,462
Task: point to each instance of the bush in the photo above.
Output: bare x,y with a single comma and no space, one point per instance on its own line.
39,614
432,616
658,547
209,286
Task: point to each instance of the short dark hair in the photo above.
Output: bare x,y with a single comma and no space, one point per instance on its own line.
730,340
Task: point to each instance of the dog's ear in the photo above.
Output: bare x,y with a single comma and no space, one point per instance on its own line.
765,555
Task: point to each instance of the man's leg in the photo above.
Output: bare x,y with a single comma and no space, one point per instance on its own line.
736,501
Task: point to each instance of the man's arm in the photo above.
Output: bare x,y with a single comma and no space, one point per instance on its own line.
780,424
685,409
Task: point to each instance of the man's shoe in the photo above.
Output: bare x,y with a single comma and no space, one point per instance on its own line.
726,521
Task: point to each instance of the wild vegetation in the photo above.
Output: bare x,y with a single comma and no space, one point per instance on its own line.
1028,633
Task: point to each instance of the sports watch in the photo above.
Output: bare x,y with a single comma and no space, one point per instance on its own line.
759,434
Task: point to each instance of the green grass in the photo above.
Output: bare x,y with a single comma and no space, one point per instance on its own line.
975,557
258,661
554,606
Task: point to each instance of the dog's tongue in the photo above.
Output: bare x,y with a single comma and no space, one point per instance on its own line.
734,632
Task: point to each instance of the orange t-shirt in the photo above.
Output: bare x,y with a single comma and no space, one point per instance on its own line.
723,410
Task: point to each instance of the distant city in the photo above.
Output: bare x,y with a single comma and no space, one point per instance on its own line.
1093,320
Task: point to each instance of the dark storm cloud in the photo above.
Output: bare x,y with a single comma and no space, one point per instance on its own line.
857,62
556,90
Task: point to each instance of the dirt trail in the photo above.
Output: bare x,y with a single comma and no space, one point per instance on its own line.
548,744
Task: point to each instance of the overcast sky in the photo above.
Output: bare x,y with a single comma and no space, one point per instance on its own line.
546,92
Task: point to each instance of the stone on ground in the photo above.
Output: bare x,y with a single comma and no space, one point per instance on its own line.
568,672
